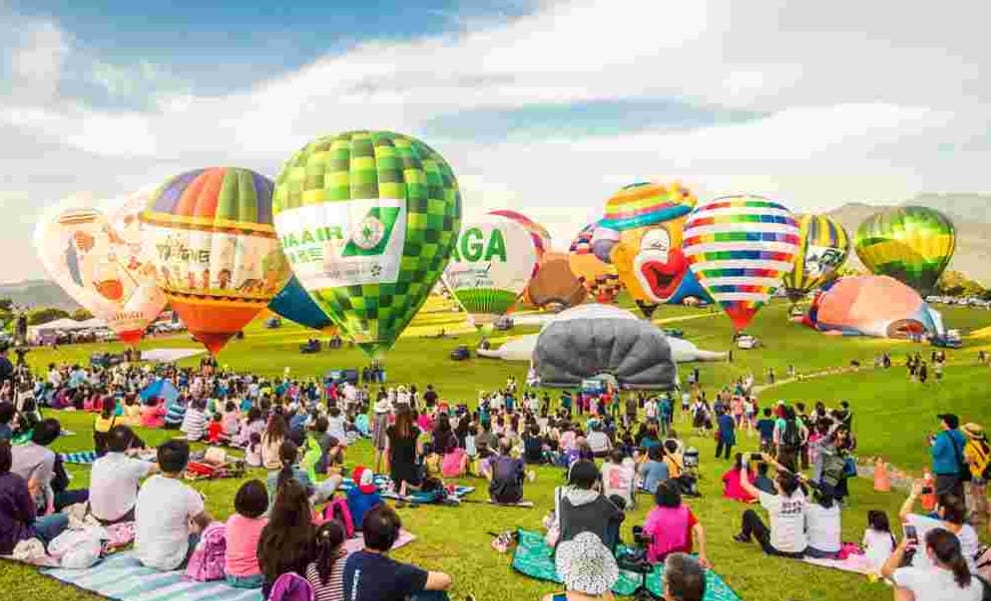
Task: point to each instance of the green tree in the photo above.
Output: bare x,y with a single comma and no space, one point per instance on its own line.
81,315
40,316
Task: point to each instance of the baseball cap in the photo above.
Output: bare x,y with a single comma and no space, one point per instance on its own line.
364,479
951,420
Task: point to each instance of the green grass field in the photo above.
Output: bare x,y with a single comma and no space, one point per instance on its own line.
892,415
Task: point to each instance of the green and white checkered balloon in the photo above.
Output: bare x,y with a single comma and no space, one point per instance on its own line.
368,220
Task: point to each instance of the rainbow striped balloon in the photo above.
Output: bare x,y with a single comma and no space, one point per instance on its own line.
740,248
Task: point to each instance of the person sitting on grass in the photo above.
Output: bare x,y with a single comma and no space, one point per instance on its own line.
951,515
619,476
505,474
194,421
587,568
731,482
243,531
363,495
787,509
684,578
319,492
116,477
326,572
671,526
7,413
943,576
215,434
168,515
286,543
42,469
18,519
762,481
371,575
580,507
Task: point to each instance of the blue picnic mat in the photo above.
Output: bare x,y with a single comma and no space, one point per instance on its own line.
535,559
122,577
382,482
79,457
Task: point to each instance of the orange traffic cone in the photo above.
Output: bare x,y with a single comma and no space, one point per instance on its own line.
928,492
881,481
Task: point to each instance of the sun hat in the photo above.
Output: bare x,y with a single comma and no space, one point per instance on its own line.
586,565
364,479
973,430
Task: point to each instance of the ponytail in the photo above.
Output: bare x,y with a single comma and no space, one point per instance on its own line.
327,545
946,549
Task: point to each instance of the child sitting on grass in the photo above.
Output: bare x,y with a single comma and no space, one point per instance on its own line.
243,530
215,431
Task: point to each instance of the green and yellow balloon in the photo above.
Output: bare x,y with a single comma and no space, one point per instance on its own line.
911,244
368,220
824,248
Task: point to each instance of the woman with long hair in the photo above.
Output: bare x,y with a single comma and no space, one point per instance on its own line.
403,448
444,438
275,433
947,575
286,543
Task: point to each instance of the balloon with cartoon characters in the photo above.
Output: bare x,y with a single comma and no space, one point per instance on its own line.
641,235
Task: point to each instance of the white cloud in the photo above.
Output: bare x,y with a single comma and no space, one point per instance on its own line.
36,62
859,104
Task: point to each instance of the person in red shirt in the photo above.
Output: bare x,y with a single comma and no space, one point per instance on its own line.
215,431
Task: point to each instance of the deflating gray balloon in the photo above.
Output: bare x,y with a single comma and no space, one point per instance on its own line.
635,352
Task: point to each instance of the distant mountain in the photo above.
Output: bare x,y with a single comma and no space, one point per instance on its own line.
970,213
38,293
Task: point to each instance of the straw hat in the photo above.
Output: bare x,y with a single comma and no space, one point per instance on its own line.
586,565
973,430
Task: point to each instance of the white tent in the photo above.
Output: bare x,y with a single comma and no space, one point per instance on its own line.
64,325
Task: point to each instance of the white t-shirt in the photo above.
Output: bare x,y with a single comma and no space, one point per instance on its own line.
113,485
878,546
161,517
787,521
822,527
969,543
335,427
599,442
619,479
936,584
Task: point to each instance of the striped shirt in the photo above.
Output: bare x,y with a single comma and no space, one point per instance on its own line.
334,589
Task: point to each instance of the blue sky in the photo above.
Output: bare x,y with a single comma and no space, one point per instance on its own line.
543,106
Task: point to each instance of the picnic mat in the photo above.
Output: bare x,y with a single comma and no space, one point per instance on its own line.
382,482
79,457
535,559
858,564
122,577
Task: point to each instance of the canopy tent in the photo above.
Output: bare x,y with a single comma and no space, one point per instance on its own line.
160,389
590,341
64,325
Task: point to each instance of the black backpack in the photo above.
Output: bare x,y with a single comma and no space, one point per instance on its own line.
790,437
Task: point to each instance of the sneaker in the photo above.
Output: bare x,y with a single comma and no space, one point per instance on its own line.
740,538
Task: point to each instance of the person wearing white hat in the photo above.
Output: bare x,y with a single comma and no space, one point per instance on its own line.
587,568
379,438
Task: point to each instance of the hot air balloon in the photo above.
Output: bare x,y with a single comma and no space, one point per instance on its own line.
599,278
98,253
368,220
295,304
739,248
541,237
911,244
494,260
218,258
641,235
824,248
555,287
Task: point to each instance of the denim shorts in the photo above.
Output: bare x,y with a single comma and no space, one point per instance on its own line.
255,581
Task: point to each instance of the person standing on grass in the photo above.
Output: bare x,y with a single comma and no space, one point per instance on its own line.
947,451
726,433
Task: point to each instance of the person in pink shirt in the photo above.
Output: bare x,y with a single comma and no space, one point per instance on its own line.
671,526
243,530
731,482
153,416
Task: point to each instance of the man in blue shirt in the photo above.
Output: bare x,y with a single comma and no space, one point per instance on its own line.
947,456
765,426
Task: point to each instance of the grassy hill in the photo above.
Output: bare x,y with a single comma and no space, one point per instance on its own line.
892,416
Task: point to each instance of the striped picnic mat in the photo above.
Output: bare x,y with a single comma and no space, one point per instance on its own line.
79,457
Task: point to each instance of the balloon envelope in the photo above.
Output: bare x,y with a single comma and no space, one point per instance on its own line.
97,251
911,244
555,287
599,278
367,220
494,260
217,257
295,304
871,305
824,248
739,247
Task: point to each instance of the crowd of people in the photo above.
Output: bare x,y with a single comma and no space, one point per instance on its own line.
299,431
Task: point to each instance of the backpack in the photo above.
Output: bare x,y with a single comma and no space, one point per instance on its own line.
207,561
833,468
980,458
291,587
791,437
338,510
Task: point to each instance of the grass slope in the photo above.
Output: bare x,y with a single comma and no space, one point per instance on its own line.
892,415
